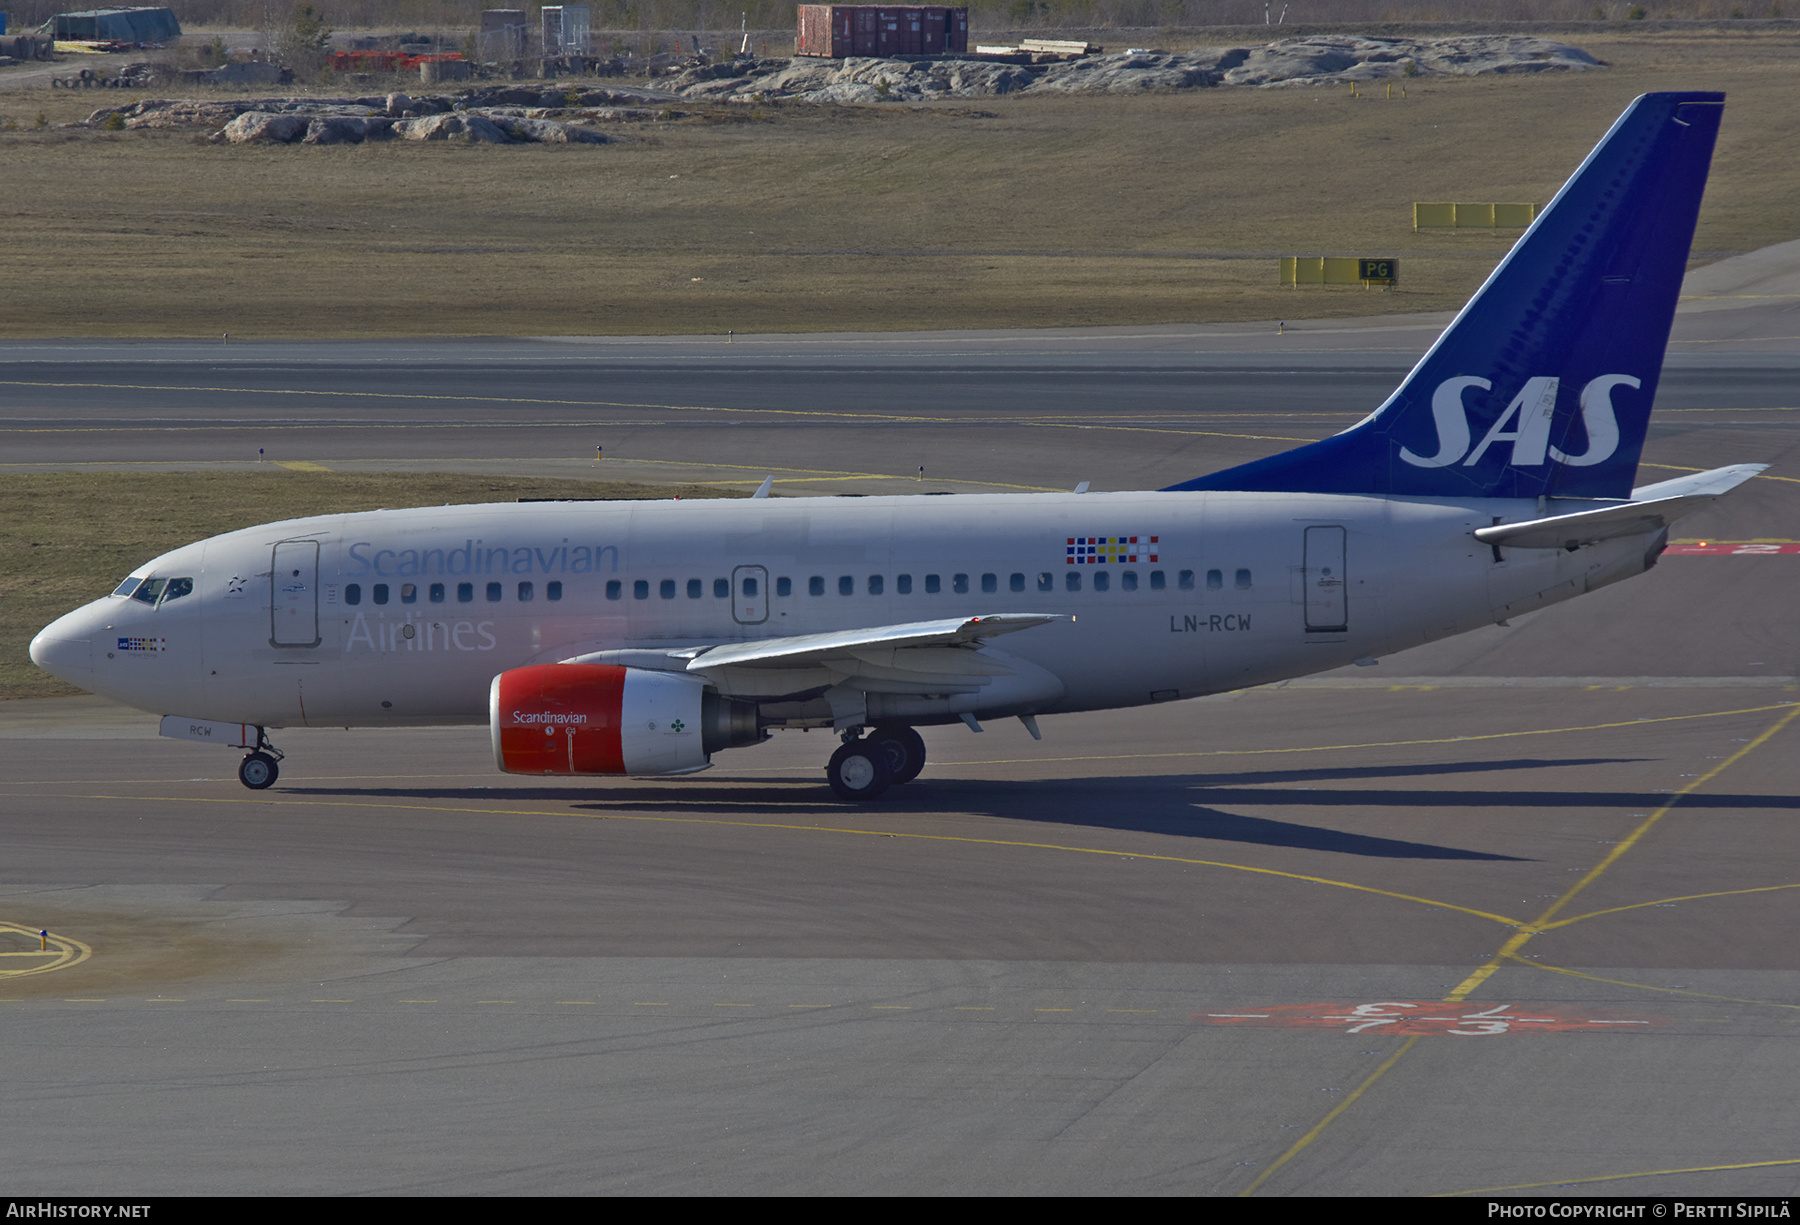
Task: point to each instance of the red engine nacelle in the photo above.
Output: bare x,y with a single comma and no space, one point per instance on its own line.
604,719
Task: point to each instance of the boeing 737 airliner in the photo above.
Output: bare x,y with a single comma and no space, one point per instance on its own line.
640,638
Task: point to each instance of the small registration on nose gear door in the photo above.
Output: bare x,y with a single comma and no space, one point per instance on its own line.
294,602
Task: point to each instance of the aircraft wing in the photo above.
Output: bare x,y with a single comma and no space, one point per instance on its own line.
917,657
1650,509
808,649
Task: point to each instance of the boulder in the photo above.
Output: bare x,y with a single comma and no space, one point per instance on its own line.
262,125
473,129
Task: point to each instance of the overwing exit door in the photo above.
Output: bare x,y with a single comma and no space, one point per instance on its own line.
750,595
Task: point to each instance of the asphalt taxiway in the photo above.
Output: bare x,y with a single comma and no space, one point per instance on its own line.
1510,913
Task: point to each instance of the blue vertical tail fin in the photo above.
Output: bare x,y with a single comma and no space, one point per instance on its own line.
1543,384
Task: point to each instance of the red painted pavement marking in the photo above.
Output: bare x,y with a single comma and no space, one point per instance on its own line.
1428,1017
1730,550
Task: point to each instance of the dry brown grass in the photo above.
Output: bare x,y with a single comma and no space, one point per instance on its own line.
63,542
1015,212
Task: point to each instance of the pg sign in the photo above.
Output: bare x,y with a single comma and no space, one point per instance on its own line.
1378,271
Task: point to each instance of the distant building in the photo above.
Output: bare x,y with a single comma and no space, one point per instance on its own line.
504,33
834,31
565,29
139,25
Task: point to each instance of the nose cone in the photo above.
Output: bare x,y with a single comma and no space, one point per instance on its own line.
64,648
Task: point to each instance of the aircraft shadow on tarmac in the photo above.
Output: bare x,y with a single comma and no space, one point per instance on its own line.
1177,805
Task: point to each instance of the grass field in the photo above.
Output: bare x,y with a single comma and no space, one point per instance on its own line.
63,543
1014,212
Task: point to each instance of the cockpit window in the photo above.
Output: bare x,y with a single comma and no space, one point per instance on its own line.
155,591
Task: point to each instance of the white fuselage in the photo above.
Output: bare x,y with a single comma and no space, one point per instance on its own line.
402,617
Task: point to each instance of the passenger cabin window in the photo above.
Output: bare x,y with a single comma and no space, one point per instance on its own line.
353,593
525,593
640,589
614,589
1128,580
874,584
696,589
666,589
990,583
721,589
553,591
409,593
750,586
1243,580
815,585
465,593
437,593
1157,581
932,585
1215,580
495,592
381,593
1102,580
1072,580
1046,581
846,585
784,587
1186,580
903,584
1017,582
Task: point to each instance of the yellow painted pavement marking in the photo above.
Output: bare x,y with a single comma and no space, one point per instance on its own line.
1620,982
1761,476
1575,1182
62,953
1296,1148
1543,922
1376,744
832,414
817,829
1668,901
300,465
1509,951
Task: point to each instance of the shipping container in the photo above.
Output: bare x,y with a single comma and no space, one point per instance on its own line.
834,31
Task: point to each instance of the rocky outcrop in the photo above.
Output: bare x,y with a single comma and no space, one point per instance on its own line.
353,121
1288,63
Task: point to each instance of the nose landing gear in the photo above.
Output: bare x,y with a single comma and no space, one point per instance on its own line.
863,768
259,770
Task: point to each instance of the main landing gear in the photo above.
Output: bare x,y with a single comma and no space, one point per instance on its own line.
261,768
863,768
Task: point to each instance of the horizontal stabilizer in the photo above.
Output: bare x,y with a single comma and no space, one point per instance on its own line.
1651,509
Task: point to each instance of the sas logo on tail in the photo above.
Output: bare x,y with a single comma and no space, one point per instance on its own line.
1525,424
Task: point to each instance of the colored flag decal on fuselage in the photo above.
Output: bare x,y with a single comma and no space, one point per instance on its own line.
1116,550
143,644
